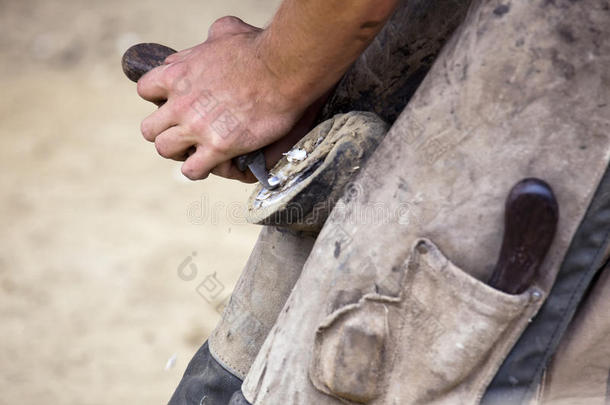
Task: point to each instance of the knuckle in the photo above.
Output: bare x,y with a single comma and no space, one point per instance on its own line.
142,87
174,74
179,106
228,20
162,147
225,25
224,21
195,126
220,145
147,130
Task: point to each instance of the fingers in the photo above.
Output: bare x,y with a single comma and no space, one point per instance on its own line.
229,171
162,119
152,87
157,84
199,165
174,144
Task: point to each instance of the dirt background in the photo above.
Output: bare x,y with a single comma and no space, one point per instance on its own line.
94,224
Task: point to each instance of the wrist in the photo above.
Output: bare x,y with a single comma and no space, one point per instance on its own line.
294,82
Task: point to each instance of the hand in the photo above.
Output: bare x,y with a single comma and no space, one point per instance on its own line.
219,100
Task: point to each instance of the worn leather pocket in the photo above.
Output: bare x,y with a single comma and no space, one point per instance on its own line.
439,339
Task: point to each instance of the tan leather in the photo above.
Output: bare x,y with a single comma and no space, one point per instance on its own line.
261,291
438,340
280,252
580,370
522,90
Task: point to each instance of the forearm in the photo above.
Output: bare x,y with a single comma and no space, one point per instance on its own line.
311,43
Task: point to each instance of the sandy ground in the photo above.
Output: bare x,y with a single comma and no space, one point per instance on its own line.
94,224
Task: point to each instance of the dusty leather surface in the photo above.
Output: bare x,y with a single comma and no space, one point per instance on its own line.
518,379
522,90
266,281
366,351
579,372
386,75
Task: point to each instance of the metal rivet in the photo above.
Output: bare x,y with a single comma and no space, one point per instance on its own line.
536,295
421,248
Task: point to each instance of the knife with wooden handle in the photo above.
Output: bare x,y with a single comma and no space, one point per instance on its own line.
141,58
530,222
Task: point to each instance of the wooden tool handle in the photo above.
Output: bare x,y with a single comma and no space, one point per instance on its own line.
530,220
141,58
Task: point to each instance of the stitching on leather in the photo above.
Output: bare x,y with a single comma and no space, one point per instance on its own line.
223,362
